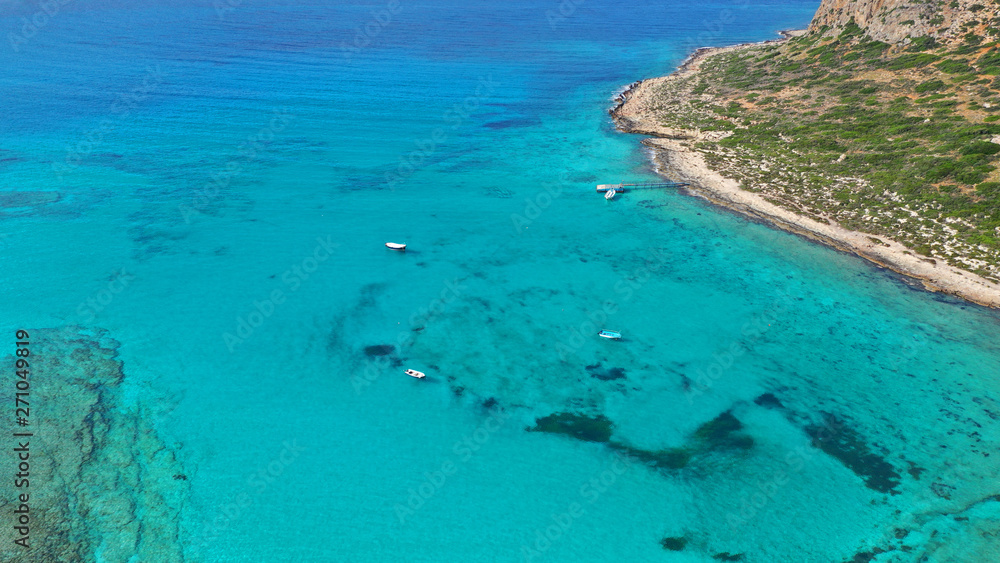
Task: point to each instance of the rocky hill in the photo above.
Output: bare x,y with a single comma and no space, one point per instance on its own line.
901,21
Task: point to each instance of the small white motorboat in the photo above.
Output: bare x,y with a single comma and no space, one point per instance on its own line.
415,373
612,334
610,194
395,246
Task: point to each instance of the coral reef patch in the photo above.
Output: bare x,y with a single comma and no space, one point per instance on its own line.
103,485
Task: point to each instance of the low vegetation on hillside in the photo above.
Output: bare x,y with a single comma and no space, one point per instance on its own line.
901,141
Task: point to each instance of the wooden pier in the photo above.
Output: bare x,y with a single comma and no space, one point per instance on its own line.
621,188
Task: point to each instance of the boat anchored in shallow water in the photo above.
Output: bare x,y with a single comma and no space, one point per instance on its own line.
415,373
610,194
612,334
395,246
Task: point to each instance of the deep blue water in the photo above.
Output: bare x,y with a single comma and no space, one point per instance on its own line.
244,163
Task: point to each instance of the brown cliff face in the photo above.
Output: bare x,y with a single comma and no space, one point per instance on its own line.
899,21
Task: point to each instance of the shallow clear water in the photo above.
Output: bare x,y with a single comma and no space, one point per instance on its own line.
475,134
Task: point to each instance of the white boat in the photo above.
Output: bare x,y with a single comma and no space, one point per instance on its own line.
395,246
415,373
610,194
612,334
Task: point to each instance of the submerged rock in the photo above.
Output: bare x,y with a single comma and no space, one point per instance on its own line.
768,400
836,439
605,374
670,458
674,543
866,556
379,350
582,427
719,427
724,432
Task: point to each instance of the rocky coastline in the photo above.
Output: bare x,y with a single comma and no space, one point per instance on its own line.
676,154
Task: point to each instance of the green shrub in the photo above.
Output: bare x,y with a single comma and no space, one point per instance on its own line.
921,44
981,147
823,143
852,29
970,176
983,239
954,67
874,49
990,59
989,189
912,60
931,98
817,51
931,86
828,59
973,159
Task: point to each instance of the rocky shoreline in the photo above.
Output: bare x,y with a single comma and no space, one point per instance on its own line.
674,151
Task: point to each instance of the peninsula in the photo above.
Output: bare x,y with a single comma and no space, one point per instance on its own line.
876,131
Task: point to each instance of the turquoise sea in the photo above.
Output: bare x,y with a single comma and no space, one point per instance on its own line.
213,183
